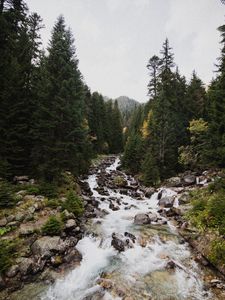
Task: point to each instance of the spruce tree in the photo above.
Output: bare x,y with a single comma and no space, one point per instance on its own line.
59,132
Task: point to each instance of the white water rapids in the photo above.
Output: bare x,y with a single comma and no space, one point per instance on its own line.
139,271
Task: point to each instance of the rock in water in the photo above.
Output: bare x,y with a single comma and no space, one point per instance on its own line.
118,244
141,219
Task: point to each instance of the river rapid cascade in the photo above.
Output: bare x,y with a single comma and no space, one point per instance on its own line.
126,256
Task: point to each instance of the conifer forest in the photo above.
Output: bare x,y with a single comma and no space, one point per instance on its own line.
107,198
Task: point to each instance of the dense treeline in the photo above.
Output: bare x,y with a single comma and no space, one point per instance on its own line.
183,124
49,120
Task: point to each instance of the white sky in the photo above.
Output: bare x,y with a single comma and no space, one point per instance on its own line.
115,38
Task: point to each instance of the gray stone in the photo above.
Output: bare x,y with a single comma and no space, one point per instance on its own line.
71,224
118,244
26,229
153,217
73,256
3,222
173,182
45,246
149,192
12,271
184,198
20,216
141,219
25,266
189,179
10,218
166,201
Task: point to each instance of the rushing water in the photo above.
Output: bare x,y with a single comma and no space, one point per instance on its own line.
140,272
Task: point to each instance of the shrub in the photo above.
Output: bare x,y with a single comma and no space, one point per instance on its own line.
32,189
6,195
48,190
52,227
53,203
217,252
4,230
74,204
7,254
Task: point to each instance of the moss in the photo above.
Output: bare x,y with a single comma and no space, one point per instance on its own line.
52,227
4,230
119,181
73,203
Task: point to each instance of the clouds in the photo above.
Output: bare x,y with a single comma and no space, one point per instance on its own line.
115,39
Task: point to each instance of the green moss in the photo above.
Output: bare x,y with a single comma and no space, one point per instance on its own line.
53,203
4,230
74,204
52,227
7,254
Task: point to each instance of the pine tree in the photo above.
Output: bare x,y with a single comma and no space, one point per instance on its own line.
153,66
117,130
59,132
17,53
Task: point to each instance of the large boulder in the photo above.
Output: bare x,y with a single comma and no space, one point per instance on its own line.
174,182
189,179
46,246
148,192
25,266
166,201
141,219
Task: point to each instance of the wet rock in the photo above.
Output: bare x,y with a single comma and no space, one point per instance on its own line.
105,283
113,207
153,217
170,265
148,192
199,258
189,179
118,244
141,219
56,260
131,236
166,201
12,271
73,256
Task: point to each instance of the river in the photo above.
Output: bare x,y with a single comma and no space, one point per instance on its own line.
138,273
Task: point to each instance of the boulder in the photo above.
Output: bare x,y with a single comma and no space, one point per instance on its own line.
118,244
171,265
189,179
148,192
26,229
71,224
46,246
174,182
153,217
12,271
184,198
130,236
73,256
3,222
141,219
166,201
25,266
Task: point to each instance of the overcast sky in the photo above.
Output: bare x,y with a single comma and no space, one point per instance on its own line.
115,38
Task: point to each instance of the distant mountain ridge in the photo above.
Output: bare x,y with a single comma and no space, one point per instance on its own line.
126,106
125,103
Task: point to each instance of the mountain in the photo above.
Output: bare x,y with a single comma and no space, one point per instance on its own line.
126,106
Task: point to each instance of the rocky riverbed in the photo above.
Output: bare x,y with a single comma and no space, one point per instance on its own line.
126,246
